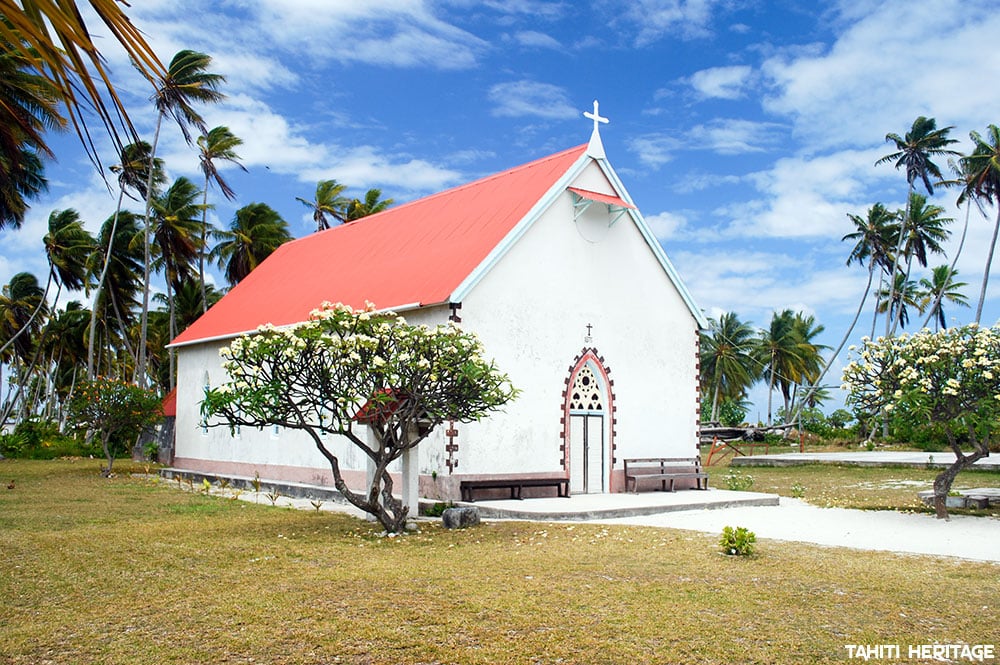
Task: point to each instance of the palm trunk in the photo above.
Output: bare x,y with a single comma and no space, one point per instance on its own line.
140,364
843,341
100,286
895,259
989,262
204,243
770,391
715,403
898,316
935,306
172,331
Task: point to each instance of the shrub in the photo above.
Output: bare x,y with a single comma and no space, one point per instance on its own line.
737,541
40,439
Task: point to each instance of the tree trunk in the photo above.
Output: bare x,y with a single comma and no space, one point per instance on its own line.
895,259
204,243
951,270
840,347
100,285
943,481
140,363
106,472
989,261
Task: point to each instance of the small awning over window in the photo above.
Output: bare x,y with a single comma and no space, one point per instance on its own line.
609,199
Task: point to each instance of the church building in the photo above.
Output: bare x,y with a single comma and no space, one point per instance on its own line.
551,264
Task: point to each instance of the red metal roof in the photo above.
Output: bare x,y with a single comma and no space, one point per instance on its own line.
169,404
416,253
609,199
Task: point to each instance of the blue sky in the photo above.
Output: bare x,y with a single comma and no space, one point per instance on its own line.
745,131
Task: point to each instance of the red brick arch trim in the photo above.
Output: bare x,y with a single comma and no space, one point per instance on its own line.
588,355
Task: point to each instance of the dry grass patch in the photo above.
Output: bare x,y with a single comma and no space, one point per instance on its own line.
128,571
868,488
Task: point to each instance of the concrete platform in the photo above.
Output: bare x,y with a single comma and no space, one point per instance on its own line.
612,506
864,458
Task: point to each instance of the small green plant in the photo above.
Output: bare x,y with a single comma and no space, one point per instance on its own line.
438,508
273,497
206,486
223,482
256,481
738,481
869,445
737,541
316,503
798,490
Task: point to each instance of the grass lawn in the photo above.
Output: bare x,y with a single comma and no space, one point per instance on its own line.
125,570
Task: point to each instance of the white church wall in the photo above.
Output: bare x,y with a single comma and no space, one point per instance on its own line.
532,312
274,453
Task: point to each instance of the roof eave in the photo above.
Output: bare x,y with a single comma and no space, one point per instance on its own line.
409,307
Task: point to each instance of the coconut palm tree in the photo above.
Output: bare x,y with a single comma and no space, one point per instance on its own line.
55,37
187,81
218,145
66,348
728,367
925,230
940,287
874,237
788,355
373,203
925,233
28,104
255,232
118,257
897,301
807,370
776,350
177,232
915,152
874,243
328,203
67,248
20,302
983,169
134,175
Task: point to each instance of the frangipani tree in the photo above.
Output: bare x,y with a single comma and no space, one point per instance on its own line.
951,377
345,367
117,411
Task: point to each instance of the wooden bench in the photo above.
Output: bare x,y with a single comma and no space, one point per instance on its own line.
515,484
664,470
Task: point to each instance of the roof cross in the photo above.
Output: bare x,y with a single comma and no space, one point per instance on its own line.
595,116
595,149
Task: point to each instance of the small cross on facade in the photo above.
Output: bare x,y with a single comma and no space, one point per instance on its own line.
587,337
595,148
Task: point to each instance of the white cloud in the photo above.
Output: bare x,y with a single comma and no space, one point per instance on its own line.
380,32
721,82
880,72
366,164
806,196
531,98
534,39
653,19
665,225
654,150
734,136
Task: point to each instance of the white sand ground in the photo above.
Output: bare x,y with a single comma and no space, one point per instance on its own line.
961,536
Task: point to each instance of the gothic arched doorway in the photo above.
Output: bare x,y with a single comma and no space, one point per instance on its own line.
588,426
